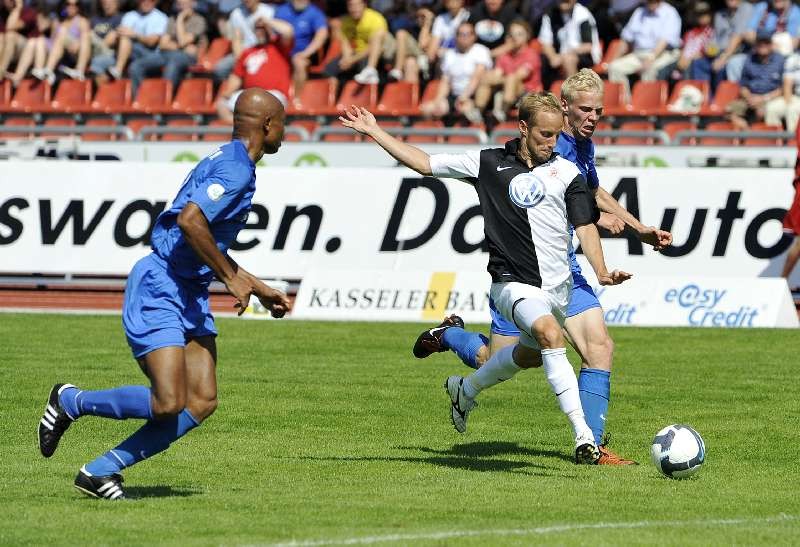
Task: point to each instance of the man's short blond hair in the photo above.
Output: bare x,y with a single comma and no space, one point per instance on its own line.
533,103
585,79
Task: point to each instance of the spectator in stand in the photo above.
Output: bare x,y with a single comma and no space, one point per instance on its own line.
462,70
698,41
266,65
787,106
780,19
569,39
177,49
411,30
240,30
310,28
762,81
443,31
35,50
491,19
517,72
730,24
71,36
19,25
104,35
653,36
364,35
138,33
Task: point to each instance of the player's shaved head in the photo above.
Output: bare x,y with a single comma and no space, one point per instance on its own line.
258,119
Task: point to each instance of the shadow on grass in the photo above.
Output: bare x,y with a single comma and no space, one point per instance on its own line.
484,449
140,492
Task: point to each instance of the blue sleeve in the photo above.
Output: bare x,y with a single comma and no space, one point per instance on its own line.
319,21
755,18
283,13
793,24
219,191
591,174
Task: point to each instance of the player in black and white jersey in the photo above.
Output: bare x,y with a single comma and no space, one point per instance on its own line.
529,196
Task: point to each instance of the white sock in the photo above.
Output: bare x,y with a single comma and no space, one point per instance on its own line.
499,368
565,385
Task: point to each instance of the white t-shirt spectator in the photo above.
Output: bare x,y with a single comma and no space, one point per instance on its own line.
572,31
153,22
445,27
645,29
245,22
459,67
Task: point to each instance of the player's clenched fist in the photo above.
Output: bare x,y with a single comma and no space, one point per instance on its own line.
614,278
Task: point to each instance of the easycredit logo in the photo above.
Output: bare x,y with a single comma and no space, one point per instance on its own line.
708,307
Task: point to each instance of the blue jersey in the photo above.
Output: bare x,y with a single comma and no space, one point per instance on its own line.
581,153
305,23
222,185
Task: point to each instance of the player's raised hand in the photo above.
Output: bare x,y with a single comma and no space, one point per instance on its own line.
613,278
659,239
275,301
358,118
612,223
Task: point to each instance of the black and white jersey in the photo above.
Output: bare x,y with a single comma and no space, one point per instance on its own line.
526,212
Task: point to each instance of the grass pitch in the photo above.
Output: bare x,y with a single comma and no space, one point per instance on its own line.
333,434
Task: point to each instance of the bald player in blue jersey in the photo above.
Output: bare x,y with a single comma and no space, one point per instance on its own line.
166,314
582,101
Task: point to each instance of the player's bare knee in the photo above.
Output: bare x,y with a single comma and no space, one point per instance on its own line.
203,408
550,336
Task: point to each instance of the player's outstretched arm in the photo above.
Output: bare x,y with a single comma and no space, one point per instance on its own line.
647,234
197,233
593,250
362,120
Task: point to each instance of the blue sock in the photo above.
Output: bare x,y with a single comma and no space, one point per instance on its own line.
465,344
119,403
153,437
594,386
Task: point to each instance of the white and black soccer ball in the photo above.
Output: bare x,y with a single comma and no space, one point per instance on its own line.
678,451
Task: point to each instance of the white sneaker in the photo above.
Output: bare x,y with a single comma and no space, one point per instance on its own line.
114,72
72,73
396,74
460,404
38,73
50,76
474,116
499,115
367,76
586,451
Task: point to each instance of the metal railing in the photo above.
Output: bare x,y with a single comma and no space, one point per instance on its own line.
147,130
445,132
122,131
656,135
682,136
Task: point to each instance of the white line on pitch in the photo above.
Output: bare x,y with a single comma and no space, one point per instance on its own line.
369,540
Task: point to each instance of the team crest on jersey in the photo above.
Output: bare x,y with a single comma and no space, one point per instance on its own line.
526,190
215,191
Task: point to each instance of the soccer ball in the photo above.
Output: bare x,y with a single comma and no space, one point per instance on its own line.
678,451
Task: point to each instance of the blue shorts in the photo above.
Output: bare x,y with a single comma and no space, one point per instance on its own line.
161,310
582,299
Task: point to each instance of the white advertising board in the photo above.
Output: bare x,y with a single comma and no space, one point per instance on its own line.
95,217
679,301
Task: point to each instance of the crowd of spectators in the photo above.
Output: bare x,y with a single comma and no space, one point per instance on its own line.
485,54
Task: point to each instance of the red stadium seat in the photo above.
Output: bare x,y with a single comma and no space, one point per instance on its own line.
218,137
308,125
764,141
112,97
5,94
719,141
430,91
610,54
138,123
648,98
182,122
726,92
62,121
72,96
673,128
194,96
636,126
466,139
509,126
426,124
317,96
31,96
333,50
357,94
399,99
602,126
613,98
153,97
348,136
216,50
16,122
100,122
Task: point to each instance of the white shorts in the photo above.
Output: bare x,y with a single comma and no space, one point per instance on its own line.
523,304
235,95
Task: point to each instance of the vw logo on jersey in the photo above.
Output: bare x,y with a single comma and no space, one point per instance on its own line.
526,190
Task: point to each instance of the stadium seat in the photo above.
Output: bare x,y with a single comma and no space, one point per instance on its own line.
112,97
357,94
602,126
648,98
726,92
466,139
613,98
62,121
399,99
637,125
100,122
610,54
31,96
426,124
308,125
180,122
218,137
555,88
702,85
5,94
136,124
430,91
333,50
505,126
216,50
72,96
153,97
673,128
347,136
764,141
16,122
316,97
194,96
719,141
